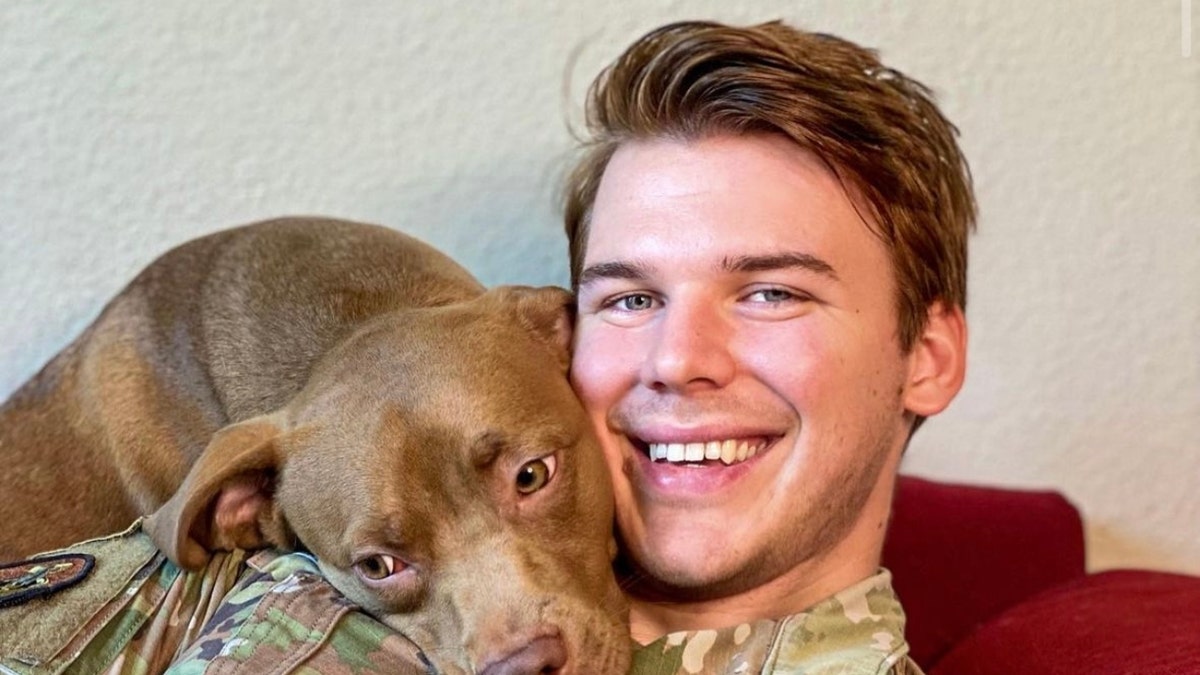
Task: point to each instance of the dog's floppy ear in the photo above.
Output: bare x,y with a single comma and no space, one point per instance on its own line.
546,311
226,500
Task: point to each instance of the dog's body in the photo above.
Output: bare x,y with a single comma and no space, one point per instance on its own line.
347,388
216,331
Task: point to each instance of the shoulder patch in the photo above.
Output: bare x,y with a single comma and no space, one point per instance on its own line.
25,580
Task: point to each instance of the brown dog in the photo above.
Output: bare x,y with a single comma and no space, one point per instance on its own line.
370,403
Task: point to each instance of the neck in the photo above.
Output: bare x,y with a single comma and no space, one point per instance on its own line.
854,558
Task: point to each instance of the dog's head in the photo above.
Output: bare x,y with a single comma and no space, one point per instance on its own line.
446,478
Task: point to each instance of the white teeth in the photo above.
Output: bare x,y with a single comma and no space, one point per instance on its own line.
728,452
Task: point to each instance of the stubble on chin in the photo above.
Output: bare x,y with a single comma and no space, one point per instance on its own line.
803,543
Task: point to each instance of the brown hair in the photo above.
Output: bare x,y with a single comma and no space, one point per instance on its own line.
879,130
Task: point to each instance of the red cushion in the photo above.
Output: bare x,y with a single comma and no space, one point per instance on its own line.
1113,622
962,554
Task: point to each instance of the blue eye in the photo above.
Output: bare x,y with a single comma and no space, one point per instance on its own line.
634,302
772,295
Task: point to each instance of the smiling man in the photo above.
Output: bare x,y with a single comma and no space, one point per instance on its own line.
768,239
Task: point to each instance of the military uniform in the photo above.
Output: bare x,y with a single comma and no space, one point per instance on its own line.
138,613
857,631
267,612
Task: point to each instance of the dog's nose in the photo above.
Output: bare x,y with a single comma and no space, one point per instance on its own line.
542,656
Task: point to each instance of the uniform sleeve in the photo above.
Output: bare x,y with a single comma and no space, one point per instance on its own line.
283,617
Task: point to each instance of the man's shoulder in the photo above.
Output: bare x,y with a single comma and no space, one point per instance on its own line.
267,611
284,612
41,631
859,630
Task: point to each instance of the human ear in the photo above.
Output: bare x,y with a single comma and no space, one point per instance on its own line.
937,362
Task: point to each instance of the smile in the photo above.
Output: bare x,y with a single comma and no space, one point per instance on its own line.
727,452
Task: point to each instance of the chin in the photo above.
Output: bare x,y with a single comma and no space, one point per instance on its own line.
677,568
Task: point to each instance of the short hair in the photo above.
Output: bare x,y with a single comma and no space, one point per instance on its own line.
879,130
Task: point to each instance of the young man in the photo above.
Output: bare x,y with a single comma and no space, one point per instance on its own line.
768,240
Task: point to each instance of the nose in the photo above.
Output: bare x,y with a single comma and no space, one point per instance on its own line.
691,350
542,656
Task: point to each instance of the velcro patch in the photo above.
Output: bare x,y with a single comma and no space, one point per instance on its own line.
25,580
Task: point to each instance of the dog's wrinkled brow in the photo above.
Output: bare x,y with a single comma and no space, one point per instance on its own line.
487,448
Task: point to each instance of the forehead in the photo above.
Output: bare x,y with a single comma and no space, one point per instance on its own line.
724,196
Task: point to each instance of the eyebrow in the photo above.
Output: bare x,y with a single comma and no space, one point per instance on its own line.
744,263
779,261
486,448
612,270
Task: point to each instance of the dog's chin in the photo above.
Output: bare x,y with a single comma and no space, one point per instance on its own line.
596,642
596,651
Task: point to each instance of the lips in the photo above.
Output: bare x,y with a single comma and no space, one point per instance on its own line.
665,472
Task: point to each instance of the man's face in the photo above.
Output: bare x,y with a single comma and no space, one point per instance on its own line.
733,303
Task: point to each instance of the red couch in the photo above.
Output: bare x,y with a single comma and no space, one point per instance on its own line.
993,581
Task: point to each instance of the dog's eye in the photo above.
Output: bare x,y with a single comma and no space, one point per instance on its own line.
534,475
378,567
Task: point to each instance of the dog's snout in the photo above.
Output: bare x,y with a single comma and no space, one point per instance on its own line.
545,655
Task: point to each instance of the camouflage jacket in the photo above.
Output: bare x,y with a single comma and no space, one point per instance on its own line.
137,613
859,631
267,612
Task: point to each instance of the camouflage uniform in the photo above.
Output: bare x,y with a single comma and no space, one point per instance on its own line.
857,631
248,613
268,612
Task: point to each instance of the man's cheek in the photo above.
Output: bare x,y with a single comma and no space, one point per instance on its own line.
596,368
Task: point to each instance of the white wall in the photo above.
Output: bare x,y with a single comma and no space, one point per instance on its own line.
127,127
